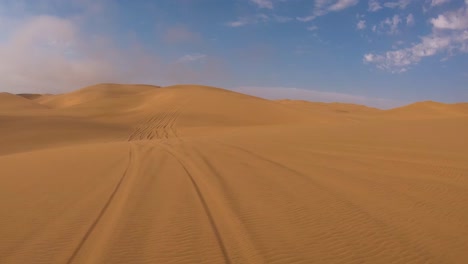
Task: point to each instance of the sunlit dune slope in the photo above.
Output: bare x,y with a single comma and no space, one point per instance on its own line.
193,104
99,93
208,106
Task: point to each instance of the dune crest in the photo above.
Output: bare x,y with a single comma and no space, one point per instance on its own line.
430,109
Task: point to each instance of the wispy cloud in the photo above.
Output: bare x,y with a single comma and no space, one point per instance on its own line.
410,20
374,6
323,7
243,21
51,54
449,35
263,3
389,25
361,24
401,60
258,18
439,2
47,53
402,4
342,4
306,18
192,57
454,20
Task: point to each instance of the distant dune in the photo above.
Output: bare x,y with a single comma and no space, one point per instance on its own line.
194,174
430,109
14,103
31,96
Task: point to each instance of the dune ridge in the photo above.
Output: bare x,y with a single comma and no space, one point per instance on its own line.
194,174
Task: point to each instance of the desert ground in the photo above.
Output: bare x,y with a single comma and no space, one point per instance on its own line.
193,174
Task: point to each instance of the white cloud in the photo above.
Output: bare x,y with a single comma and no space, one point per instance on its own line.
242,21
449,36
374,6
410,20
397,44
342,4
439,2
454,20
47,53
401,60
402,4
263,3
192,57
312,28
275,93
258,18
323,7
390,25
361,24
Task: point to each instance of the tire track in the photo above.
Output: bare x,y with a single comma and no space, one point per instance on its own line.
206,208
159,126
244,243
103,209
234,240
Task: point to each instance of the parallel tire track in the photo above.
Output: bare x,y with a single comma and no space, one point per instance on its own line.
161,125
206,208
234,240
103,209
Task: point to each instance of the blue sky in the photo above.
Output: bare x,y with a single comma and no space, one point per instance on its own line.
379,53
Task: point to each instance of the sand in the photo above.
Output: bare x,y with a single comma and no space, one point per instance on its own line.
192,174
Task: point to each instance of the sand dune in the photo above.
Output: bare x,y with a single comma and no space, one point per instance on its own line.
101,92
32,96
13,104
331,107
194,174
332,112
430,109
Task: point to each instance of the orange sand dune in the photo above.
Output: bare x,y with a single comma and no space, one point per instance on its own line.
430,109
94,93
13,104
332,112
193,174
32,96
332,107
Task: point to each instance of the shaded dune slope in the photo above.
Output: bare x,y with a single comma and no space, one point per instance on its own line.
14,103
